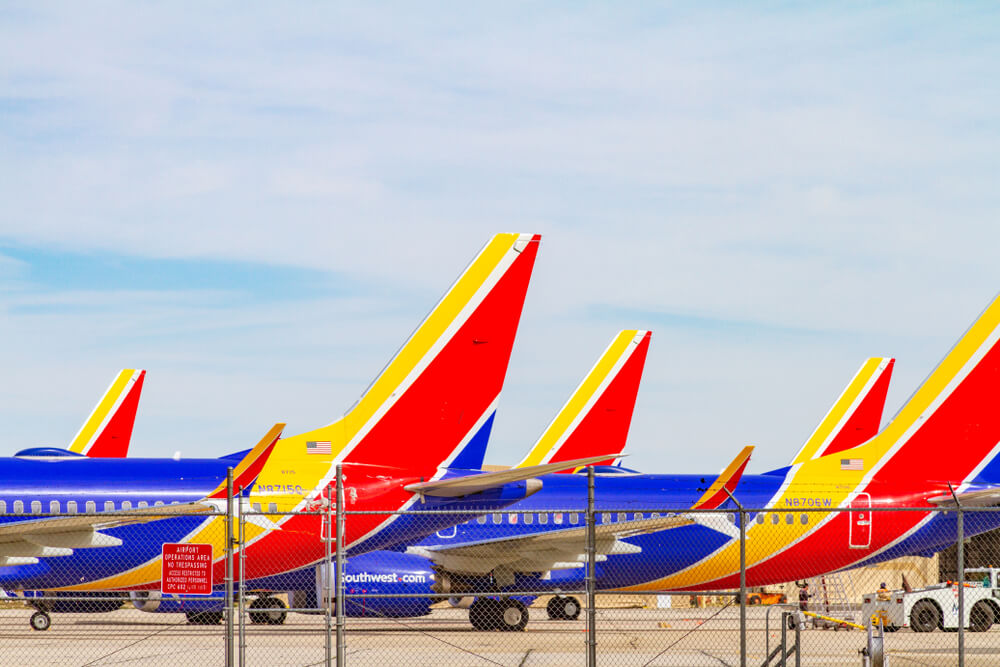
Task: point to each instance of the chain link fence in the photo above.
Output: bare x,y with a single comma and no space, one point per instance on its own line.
576,585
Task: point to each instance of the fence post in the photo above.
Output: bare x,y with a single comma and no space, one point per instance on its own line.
743,578
327,524
960,575
341,643
591,581
229,567
961,587
242,590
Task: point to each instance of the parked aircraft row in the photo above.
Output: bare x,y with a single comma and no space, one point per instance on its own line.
441,388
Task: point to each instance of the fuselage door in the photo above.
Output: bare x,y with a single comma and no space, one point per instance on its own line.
860,515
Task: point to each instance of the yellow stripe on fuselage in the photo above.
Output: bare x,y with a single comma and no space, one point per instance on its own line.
100,413
556,432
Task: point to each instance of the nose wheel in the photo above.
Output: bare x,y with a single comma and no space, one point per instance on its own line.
40,621
492,614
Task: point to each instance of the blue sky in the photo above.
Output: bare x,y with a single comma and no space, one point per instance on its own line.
258,203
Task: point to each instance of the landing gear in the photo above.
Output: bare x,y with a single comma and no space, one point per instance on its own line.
268,610
492,614
40,621
204,617
563,608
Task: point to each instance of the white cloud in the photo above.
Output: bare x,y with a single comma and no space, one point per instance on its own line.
827,171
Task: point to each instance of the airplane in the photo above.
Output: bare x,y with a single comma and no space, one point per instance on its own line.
830,511
598,411
396,445
588,423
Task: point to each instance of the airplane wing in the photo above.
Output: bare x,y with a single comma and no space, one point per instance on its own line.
22,542
452,487
599,411
543,551
107,432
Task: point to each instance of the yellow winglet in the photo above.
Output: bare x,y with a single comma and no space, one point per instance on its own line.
726,481
245,473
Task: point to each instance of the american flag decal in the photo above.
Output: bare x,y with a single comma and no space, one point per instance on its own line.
852,464
318,447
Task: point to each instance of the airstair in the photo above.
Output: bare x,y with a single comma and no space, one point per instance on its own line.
831,596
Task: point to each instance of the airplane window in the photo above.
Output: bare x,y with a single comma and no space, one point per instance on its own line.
272,508
142,503
543,518
512,518
732,518
557,518
804,519
36,506
529,519
126,504
91,506
3,506
256,507
789,519
482,518
574,518
109,506
71,507
775,519
54,507
497,518
606,517
760,518
158,503
654,515
18,507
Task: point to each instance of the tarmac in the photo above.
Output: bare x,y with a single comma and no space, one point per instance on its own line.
640,637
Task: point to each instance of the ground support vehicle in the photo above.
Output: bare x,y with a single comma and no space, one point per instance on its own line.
936,607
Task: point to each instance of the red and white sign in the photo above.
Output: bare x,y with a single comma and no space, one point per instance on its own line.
187,569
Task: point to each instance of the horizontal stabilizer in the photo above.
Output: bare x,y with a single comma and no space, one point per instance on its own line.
468,484
978,498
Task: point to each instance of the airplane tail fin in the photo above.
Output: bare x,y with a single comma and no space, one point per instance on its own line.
855,416
597,416
949,428
107,432
440,389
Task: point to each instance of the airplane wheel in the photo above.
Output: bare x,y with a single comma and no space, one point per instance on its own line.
555,609
40,621
484,614
204,617
981,617
268,611
513,616
924,617
571,609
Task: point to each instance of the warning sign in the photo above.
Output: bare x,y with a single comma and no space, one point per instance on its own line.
187,569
